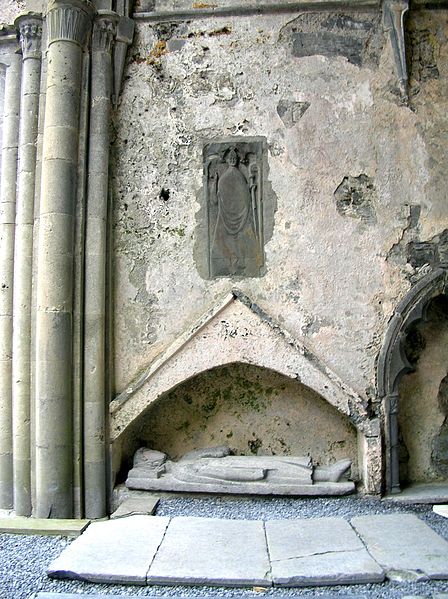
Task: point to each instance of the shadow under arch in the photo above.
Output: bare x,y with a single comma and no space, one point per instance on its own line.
393,363
250,409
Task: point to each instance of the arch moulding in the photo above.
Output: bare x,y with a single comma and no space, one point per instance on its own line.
393,364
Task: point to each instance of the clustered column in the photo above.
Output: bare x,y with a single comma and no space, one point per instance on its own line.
53,258
95,267
69,25
7,227
30,28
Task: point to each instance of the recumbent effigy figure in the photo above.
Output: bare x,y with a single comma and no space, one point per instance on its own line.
215,470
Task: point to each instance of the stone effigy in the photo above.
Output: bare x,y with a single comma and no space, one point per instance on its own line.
215,470
234,201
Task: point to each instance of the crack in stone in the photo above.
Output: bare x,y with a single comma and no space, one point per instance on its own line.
287,559
156,551
268,574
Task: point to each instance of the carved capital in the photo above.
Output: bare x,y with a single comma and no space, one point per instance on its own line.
30,34
393,400
104,31
69,21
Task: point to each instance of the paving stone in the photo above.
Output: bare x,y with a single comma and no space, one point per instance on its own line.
421,493
441,510
213,552
82,596
404,546
117,551
135,506
42,526
78,596
323,551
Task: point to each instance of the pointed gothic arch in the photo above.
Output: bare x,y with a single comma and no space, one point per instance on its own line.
237,330
393,364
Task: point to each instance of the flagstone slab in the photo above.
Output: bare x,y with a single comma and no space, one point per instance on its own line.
43,595
213,552
116,551
441,510
404,546
421,493
83,596
42,526
136,506
322,551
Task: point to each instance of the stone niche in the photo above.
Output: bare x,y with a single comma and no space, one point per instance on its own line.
236,378
253,410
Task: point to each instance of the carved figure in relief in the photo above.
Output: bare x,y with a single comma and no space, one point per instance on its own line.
235,214
215,469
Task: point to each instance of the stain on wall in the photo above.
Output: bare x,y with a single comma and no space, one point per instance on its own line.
356,198
439,455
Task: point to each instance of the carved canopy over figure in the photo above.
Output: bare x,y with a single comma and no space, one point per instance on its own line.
215,470
235,214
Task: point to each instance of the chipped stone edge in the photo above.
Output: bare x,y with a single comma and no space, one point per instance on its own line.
259,9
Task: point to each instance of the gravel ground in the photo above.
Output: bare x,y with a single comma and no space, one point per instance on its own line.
23,558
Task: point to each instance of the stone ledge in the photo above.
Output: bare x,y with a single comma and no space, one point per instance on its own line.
186,8
42,526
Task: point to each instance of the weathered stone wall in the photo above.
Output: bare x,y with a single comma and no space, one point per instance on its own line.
9,9
357,176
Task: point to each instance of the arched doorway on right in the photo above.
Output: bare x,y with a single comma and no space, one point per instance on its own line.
423,399
412,380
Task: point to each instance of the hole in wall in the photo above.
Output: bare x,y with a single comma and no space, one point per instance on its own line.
164,194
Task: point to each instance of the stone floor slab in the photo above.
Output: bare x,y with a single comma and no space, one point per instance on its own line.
213,552
44,595
42,526
421,493
136,506
441,510
117,551
83,596
323,551
404,546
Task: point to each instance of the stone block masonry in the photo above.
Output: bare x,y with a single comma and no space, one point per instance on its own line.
288,553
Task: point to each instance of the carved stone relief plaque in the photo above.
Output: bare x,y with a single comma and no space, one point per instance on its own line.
234,211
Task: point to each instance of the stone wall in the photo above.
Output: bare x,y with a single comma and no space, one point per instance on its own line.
9,9
356,173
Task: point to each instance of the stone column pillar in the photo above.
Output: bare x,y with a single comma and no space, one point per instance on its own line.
7,226
30,28
69,23
95,267
393,464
